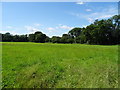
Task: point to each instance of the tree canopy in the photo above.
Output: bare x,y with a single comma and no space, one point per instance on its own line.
101,32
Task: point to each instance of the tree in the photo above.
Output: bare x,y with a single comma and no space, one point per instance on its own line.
31,37
40,38
56,39
75,32
47,39
7,37
101,32
65,38
20,38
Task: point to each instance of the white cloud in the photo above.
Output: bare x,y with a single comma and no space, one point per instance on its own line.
65,32
37,24
80,3
11,32
49,31
65,27
103,14
90,20
60,26
32,29
58,30
9,27
88,10
84,26
50,28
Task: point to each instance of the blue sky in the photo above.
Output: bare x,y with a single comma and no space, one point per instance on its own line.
52,18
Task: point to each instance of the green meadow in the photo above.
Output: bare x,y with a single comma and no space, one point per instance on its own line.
47,65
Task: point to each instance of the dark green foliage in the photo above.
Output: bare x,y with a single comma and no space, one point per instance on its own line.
75,32
55,39
40,37
37,37
20,38
31,37
7,37
47,39
65,38
101,32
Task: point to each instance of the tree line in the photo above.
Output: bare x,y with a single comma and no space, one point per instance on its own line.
101,32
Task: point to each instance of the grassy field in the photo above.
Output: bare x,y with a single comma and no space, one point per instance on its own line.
36,65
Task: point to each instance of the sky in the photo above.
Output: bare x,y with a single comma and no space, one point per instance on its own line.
53,18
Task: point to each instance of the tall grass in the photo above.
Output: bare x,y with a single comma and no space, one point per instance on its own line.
36,65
